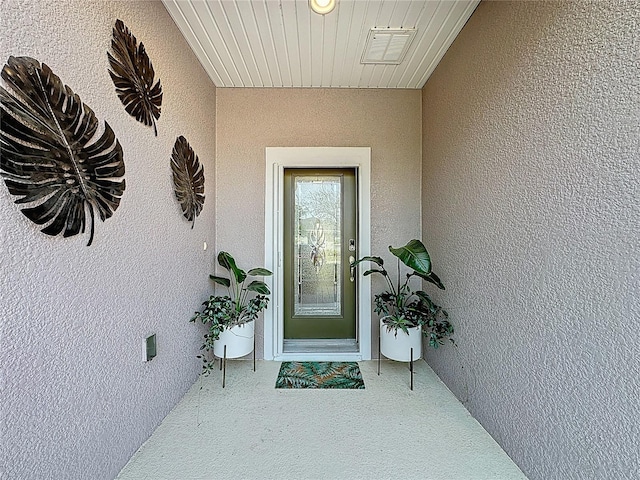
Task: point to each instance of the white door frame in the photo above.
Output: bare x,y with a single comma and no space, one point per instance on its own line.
277,159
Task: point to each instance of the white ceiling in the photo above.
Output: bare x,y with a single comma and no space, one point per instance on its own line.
282,43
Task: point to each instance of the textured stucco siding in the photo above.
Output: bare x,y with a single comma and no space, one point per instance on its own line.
76,399
531,148
248,120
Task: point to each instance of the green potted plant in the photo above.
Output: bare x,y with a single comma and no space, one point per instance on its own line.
230,318
407,314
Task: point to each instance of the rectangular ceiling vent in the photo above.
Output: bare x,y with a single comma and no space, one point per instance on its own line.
387,46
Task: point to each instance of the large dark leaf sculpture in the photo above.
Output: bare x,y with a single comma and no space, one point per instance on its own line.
132,74
188,178
48,154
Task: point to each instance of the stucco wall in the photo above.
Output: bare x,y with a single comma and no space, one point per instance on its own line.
77,400
531,143
248,120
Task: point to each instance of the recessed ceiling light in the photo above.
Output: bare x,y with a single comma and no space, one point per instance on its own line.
322,6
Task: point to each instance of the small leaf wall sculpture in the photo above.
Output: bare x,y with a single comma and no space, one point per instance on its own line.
188,178
50,155
132,74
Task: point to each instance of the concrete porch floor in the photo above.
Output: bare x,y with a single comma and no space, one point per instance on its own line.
251,430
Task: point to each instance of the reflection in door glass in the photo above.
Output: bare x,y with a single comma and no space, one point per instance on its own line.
318,218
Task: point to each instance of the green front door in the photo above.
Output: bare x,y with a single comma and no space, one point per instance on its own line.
319,245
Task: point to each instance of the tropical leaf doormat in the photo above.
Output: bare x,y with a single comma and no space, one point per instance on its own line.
320,375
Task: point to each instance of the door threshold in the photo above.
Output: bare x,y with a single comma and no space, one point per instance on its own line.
321,346
321,350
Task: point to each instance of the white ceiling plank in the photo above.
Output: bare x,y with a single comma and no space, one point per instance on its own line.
329,42
248,19
391,15
413,15
376,74
385,77
460,17
216,42
276,25
345,18
218,17
421,24
207,62
237,26
361,73
292,40
281,43
385,12
303,13
441,19
317,44
211,40
351,54
418,49
268,44
397,19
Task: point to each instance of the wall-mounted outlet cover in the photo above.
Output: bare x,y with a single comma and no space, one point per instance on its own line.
150,347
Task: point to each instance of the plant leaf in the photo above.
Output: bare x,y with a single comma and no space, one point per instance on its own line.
132,75
227,261
376,260
220,280
259,272
414,255
188,179
424,296
433,278
374,270
259,287
49,153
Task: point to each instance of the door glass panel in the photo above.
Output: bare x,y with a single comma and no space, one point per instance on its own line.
317,244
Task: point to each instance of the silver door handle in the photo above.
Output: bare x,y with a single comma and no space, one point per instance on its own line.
352,268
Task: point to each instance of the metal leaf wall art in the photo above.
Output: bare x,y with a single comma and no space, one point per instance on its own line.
188,178
50,154
132,74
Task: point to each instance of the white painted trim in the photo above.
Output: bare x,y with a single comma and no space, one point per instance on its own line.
277,159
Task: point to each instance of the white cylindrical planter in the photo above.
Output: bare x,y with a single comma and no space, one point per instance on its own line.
398,346
238,339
